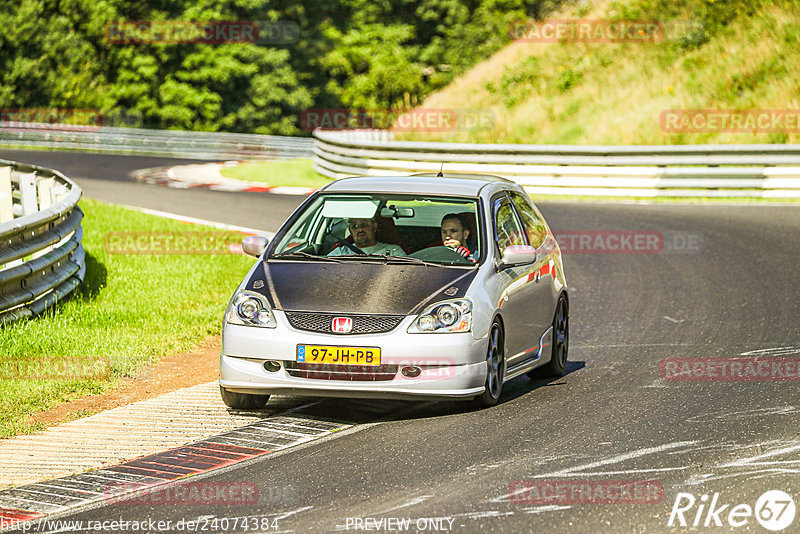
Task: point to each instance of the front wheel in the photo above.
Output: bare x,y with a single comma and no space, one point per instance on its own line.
560,344
495,368
243,401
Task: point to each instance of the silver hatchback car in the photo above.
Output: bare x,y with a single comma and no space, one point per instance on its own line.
412,287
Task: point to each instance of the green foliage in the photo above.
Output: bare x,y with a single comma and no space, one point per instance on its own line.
130,310
348,53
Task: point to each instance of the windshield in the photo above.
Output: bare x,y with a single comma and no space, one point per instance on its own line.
362,227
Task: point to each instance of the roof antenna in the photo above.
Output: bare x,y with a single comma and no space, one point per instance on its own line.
440,175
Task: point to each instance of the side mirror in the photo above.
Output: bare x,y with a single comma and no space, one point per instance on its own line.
518,255
254,245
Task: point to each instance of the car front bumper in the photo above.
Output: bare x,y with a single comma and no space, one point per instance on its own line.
452,365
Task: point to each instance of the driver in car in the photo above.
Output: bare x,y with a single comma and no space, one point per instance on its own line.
363,232
455,233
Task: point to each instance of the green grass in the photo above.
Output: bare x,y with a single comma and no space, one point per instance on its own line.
131,310
714,55
286,172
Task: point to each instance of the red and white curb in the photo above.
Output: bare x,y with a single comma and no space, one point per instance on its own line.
42,499
208,176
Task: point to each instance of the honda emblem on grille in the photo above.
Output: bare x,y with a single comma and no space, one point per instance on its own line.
342,325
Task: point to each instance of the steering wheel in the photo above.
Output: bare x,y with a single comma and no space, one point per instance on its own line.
440,253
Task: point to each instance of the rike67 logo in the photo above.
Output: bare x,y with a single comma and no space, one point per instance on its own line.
774,510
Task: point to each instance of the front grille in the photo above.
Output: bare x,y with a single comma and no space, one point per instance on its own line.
362,324
355,373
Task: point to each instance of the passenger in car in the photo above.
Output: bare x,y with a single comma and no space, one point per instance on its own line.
455,235
363,232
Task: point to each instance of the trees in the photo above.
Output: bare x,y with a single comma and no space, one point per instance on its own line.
346,53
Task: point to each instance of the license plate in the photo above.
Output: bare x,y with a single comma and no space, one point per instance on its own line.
331,355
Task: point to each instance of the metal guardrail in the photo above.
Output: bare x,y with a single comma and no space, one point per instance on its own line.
175,143
768,171
41,255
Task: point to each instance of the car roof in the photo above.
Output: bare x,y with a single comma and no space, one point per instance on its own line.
449,183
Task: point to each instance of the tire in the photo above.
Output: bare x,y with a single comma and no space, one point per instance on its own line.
495,368
243,401
560,344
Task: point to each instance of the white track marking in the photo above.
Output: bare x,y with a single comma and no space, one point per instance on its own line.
753,460
293,512
755,412
412,502
481,515
632,471
676,321
617,459
632,345
777,351
581,469
195,220
751,475
753,466
545,508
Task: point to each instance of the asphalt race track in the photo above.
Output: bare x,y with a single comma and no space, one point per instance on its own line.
109,178
723,282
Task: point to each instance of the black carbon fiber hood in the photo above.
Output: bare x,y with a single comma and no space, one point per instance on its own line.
353,287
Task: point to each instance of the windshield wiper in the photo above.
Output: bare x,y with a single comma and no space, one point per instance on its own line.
397,259
294,255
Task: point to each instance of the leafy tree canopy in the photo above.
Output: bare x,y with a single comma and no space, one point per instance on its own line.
370,54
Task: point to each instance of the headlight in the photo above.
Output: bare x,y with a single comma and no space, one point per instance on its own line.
250,309
448,316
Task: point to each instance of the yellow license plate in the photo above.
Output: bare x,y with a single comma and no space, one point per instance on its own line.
331,355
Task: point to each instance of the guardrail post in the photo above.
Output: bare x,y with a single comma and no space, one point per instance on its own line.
27,193
45,187
6,201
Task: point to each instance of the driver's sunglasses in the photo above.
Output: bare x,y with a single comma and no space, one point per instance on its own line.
356,226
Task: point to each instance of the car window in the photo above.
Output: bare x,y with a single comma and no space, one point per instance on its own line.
404,224
507,228
534,225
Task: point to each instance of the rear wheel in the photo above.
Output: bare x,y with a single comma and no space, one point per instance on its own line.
560,344
495,368
243,401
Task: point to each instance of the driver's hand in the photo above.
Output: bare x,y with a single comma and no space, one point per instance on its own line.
464,251
452,243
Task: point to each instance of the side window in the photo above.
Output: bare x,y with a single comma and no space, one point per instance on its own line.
534,225
506,228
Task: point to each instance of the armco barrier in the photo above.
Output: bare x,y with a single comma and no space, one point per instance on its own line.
768,171
41,256
175,143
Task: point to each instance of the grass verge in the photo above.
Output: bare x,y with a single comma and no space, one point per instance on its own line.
714,55
131,310
287,172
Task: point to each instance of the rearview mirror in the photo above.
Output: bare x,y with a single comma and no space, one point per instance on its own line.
518,255
254,245
397,213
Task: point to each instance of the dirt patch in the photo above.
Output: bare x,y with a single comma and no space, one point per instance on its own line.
173,372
